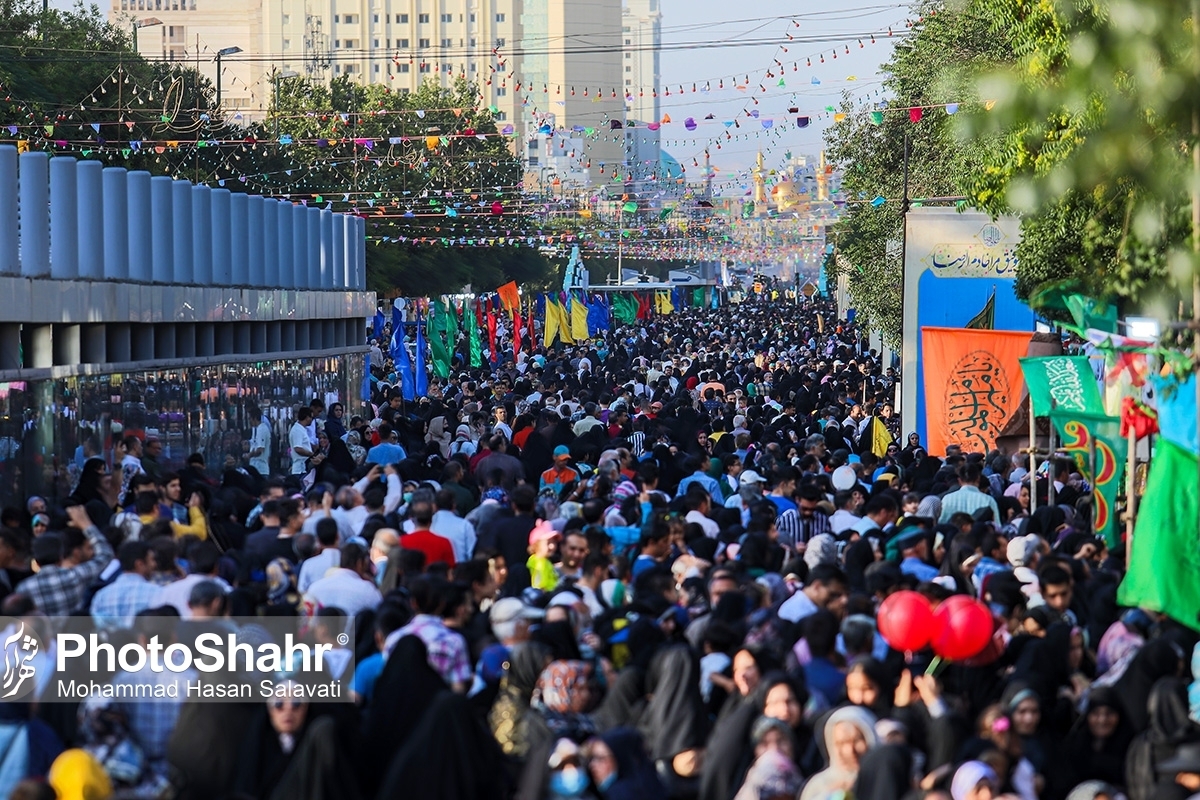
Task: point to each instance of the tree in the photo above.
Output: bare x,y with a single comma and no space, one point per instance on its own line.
936,66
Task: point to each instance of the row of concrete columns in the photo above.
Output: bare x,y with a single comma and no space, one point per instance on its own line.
68,219
31,346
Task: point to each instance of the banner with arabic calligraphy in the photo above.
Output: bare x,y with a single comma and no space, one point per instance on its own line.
973,385
1081,433
1062,383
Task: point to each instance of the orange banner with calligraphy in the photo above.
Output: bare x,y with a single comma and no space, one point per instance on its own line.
973,385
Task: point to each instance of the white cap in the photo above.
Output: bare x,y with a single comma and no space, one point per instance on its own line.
509,609
750,477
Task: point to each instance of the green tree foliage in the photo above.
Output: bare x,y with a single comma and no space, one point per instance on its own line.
1095,119
938,64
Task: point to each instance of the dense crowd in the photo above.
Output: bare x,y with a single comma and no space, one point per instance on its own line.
643,567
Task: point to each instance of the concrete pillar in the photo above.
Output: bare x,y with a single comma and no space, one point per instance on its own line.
64,219
185,340
10,345
90,175
38,343
327,249
222,247
34,214
303,335
66,345
360,253
339,252
314,248
118,342
300,245
258,337
287,340
270,236
202,244
183,224
142,342
329,333
162,229
339,333
239,228
93,344
274,337
205,340
164,340
242,338
287,247
224,339
141,249
117,224
10,251
254,239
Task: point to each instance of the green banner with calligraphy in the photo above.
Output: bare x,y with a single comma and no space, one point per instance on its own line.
1096,444
1062,383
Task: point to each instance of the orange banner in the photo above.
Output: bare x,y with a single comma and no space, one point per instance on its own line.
973,385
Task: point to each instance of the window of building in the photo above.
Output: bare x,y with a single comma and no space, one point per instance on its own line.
629,41
474,67
375,18
448,68
629,55
350,19
499,18
287,19
404,91
447,43
403,68
353,44
337,18
422,18
447,18
423,68
422,43
472,18
402,43
287,44
500,42
338,43
629,69
502,116
628,82
472,43
402,19
501,91
376,43
626,29
375,69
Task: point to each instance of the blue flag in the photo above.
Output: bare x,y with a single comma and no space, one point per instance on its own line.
405,368
377,324
421,384
397,323
366,384
716,300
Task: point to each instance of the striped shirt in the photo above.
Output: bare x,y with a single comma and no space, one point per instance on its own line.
967,500
794,529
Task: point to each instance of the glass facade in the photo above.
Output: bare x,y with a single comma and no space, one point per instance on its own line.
49,428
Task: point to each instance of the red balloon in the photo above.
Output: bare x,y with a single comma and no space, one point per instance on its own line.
906,621
497,208
963,628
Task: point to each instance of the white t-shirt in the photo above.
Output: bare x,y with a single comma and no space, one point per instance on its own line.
261,438
298,438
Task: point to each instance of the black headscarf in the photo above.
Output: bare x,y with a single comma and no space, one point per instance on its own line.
1169,726
1044,664
636,777
509,715
885,773
449,754
674,721
1160,658
404,692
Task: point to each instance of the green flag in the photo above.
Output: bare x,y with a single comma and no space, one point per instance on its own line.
452,327
1062,383
985,320
1165,561
1089,313
698,298
624,308
439,354
1094,440
476,347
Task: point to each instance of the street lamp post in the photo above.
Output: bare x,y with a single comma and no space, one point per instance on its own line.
227,51
148,22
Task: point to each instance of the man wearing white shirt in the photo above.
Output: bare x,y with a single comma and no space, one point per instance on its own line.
315,568
350,587
202,558
698,503
260,442
298,441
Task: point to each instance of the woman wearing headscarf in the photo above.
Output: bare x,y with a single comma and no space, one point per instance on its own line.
1045,667
439,434
1096,746
1169,726
334,421
560,709
354,445
911,445
509,717
974,780
620,768
1160,658
886,774
729,752
675,723
336,464
774,773
848,736
97,491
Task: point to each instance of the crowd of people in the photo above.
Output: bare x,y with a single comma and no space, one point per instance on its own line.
643,567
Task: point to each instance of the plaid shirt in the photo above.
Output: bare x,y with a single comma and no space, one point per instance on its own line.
57,591
117,604
153,721
447,648
968,500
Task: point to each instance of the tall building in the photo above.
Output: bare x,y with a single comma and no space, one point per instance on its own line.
641,29
400,43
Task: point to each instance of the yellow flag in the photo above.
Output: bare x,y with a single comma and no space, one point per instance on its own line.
564,323
880,437
550,329
662,303
579,326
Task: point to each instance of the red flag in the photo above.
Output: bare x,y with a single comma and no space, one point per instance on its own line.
643,301
517,331
532,331
479,312
491,329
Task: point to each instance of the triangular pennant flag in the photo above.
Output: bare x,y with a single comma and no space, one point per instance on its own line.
915,114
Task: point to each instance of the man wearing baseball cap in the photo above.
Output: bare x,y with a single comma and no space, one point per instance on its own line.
561,474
